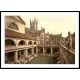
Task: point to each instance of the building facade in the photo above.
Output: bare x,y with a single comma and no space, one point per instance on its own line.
22,44
18,45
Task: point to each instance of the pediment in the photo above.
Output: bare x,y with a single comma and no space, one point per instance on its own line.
19,18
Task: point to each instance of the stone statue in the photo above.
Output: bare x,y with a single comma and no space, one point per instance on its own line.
69,41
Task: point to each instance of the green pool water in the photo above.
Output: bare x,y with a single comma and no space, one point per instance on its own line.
43,60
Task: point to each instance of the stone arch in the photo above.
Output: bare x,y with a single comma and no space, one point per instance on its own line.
21,42
10,42
13,25
30,43
35,42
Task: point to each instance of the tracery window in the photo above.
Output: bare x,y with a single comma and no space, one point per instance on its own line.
13,26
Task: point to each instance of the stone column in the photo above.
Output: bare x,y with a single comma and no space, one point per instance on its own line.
32,50
16,56
43,50
36,50
26,53
51,51
20,53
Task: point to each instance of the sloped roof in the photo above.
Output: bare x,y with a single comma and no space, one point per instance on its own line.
13,34
55,36
19,19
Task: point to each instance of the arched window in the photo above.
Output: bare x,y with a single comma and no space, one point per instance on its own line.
34,42
13,26
22,42
9,42
30,43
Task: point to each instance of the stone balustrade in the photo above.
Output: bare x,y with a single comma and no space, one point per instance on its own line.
67,56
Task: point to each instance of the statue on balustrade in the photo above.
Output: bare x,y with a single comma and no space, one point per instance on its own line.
69,41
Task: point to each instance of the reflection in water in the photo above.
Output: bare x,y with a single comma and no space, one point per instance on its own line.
43,60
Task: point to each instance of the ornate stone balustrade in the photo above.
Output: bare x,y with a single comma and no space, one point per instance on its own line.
67,56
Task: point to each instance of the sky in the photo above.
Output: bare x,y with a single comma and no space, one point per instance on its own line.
55,24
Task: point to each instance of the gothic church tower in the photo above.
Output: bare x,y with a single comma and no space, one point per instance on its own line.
33,24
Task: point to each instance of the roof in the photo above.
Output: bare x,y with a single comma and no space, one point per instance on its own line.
13,34
55,36
19,19
28,30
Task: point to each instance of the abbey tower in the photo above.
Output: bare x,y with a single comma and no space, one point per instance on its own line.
33,24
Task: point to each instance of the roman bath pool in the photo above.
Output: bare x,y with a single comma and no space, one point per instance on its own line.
43,60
